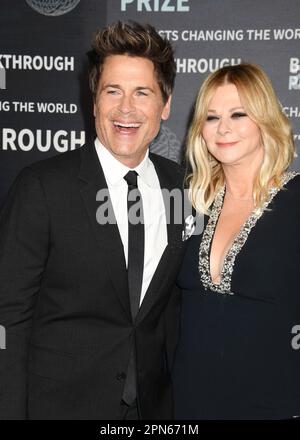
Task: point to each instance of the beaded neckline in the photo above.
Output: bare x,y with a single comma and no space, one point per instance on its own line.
204,250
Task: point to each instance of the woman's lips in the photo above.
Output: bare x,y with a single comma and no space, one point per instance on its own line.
226,144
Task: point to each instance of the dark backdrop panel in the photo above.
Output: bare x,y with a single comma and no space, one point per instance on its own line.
206,34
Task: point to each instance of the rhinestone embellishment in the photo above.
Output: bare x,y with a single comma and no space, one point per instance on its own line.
204,250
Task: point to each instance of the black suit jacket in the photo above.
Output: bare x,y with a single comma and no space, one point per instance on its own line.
64,299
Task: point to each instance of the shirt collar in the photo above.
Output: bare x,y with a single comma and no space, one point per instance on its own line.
114,170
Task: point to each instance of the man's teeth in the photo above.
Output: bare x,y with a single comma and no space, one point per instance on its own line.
133,125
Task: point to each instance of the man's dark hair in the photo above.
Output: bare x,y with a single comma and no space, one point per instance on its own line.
133,39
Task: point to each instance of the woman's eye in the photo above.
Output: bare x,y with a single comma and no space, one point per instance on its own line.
212,118
238,115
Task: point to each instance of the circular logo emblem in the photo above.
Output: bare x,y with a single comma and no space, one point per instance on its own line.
52,7
167,144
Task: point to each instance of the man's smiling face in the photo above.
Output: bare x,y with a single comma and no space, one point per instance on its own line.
129,107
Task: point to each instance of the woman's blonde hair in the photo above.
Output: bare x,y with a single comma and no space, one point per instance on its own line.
263,107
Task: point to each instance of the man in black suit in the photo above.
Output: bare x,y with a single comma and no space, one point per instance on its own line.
89,305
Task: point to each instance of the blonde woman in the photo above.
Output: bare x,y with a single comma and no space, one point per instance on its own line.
238,355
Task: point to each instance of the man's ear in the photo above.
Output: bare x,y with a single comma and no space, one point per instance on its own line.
166,110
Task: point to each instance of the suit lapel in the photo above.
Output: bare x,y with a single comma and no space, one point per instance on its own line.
107,236
172,252
169,185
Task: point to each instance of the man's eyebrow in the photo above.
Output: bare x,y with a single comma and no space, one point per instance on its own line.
114,86
118,86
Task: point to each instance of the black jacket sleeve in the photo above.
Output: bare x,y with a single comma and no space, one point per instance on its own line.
24,242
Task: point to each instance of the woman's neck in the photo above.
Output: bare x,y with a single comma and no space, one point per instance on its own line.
239,178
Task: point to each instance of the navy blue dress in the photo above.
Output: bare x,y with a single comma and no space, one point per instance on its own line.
238,355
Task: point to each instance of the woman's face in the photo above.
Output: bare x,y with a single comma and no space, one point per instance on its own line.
230,135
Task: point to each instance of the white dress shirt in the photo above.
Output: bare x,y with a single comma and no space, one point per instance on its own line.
156,238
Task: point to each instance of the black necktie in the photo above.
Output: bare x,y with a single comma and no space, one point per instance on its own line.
135,267
135,241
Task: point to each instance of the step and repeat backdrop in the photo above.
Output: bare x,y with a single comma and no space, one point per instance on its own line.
45,104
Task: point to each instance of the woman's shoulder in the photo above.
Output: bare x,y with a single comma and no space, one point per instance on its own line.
290,192
291,181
